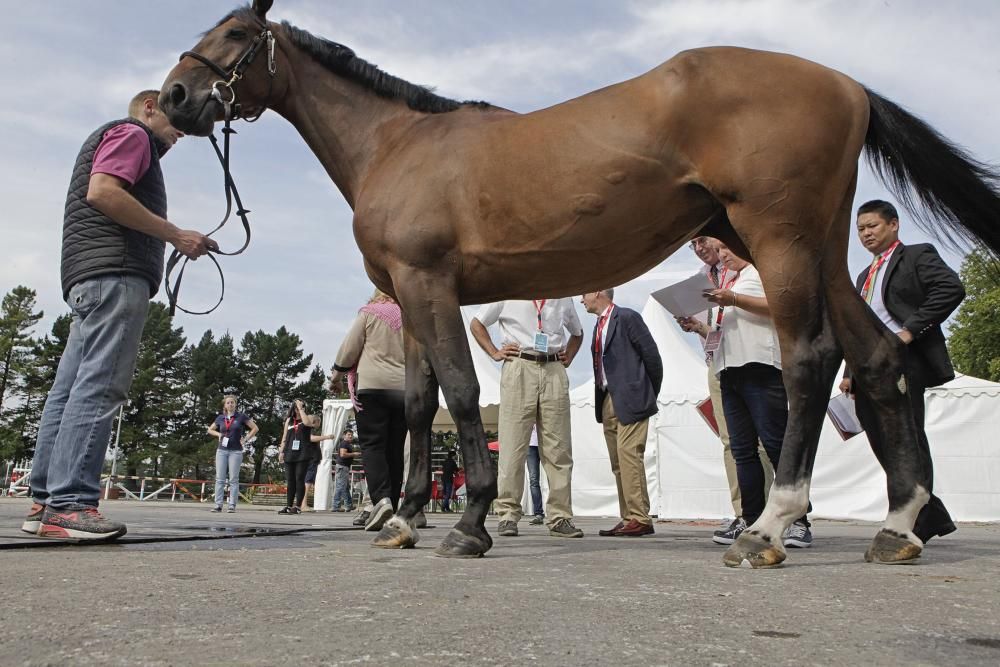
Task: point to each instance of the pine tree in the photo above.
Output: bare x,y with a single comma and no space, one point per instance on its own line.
32,388
210,368
154,404
16,322
269,365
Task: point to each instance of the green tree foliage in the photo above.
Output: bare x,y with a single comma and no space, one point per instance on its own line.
155,399
210,369
974,335
269,365
31,388
17,319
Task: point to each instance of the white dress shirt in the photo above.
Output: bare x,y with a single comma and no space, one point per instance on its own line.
877,304
519,322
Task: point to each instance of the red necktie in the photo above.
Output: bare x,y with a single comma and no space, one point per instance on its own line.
599,352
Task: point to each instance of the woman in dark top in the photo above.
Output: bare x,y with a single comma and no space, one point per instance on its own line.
298,450
229,427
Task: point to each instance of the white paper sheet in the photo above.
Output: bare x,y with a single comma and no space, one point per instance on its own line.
685,298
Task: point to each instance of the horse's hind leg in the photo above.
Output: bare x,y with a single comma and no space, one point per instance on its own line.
440,353
790,262
875,357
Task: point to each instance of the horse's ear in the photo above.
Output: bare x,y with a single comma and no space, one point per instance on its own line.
260,7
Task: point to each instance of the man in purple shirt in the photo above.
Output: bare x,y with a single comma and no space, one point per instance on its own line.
114,235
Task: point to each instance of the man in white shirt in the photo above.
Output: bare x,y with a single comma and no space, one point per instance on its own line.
539,339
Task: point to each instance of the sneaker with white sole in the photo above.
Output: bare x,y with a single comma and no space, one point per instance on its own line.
33,522
381,513
79,524
798,535
729,535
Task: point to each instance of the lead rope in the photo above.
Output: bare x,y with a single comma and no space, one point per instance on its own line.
231,194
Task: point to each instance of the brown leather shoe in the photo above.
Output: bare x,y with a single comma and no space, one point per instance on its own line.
634,529
611,533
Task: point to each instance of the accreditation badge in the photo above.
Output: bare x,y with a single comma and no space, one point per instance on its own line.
542,342
225,441
295,445
713,341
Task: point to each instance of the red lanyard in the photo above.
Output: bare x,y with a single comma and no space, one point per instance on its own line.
869,286
295,424
228,421
538,308
722,309
601,322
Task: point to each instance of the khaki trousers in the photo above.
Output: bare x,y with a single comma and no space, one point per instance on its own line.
627,449
715,392
534,393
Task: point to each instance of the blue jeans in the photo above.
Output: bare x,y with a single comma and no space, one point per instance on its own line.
342,488
756,407
536,489
91,383
227,461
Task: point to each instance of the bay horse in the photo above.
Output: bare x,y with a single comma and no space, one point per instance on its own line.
466,203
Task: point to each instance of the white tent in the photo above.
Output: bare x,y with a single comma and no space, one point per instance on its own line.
684,457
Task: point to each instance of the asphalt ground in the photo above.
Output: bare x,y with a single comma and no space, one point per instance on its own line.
187,587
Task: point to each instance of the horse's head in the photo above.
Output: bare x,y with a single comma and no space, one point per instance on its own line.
232,70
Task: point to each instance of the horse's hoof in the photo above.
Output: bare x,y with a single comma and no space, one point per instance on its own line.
461,545
396,534
752,550
892,548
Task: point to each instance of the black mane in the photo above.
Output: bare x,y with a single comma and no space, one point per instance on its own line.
342,61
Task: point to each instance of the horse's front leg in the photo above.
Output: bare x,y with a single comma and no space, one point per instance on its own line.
434,319
421,405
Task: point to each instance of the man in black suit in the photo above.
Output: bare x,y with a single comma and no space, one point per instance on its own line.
912,291
627,377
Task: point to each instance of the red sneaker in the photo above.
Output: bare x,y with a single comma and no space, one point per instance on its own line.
82,524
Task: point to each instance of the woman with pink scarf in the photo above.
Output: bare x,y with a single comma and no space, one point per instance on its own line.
372,357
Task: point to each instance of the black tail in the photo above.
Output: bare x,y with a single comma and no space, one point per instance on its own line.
938,182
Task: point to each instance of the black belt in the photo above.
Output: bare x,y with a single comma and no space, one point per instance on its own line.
540,358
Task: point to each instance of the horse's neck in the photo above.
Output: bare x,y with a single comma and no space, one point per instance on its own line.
341,122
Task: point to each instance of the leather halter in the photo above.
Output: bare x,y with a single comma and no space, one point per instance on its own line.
235,72
232,112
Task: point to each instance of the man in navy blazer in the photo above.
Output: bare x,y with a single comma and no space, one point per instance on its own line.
912,291
628,373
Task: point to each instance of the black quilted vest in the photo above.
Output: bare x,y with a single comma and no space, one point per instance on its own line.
93,244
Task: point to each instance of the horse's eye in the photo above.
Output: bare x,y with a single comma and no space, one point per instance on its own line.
236,33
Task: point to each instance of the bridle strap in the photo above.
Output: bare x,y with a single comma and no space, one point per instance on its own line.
231,194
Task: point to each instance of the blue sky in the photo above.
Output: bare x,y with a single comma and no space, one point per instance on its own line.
70,66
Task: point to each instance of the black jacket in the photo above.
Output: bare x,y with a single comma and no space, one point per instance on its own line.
632,365
920,291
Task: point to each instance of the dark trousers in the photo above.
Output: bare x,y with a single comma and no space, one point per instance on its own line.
382,434
934,514
447,489
533,481
295,478
756,408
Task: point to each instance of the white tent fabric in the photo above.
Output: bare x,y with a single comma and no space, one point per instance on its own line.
335,413
684,457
